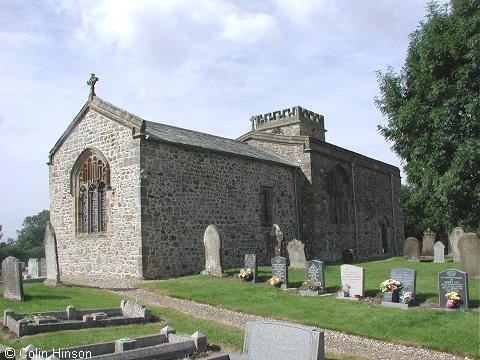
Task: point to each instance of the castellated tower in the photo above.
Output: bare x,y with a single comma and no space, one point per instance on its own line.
295,121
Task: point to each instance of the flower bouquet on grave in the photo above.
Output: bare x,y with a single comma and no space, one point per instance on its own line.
453,300
391,285
245,274
311,285
274,281
407,298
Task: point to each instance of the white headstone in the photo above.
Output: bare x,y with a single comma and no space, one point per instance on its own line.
439,252
353,277
34,268
211,240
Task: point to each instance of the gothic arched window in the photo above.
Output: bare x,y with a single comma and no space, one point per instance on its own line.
90,181
338,195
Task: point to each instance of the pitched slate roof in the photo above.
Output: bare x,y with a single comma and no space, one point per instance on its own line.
169,134
175,135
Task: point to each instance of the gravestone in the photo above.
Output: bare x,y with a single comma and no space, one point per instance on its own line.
453,280
274,340
211,240
469,250
411,249
428,242
407,277
296,254
276,236
51,255
280,270
251,263
34,268
453,238
315,272
12,279
439,252
354,278
347,256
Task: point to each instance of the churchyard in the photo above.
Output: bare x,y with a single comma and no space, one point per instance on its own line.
424,324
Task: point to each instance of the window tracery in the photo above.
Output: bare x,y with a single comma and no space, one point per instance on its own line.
91,182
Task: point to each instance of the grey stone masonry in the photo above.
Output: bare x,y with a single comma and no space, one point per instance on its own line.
156,187
50,244
12,279
267,340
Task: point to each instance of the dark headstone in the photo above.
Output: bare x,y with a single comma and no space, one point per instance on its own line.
347,256
411,249
280,270
407,277
251,263
453,280
315,271
12,279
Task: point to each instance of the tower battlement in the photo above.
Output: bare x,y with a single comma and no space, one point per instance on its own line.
292,121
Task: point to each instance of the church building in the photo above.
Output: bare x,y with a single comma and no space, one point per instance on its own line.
132,197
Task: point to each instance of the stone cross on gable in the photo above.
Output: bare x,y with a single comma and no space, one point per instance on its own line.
92,81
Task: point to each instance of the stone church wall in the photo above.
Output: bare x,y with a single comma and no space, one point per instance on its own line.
185,189
369,204
117,251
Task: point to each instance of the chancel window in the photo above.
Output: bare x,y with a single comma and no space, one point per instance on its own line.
338,195
90,184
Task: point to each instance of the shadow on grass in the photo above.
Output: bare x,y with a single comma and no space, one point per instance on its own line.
45,297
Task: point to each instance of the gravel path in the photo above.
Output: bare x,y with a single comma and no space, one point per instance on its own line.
335,342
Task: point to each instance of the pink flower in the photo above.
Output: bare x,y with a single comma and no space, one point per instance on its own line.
450,304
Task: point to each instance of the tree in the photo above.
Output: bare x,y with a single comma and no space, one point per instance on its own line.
30,237
1,233
433,111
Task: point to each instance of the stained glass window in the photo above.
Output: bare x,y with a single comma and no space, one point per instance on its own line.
338,195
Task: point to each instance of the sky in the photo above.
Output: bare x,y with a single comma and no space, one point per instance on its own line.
204,65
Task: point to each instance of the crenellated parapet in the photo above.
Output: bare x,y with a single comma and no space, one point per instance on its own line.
291,121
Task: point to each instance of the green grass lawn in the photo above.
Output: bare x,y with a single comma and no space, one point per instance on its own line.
41,298
450,331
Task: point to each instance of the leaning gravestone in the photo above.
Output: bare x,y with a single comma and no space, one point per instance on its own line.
315,272
353,277
453,238
211,240
411,249
280,270
251,263
453,280
407,277
51,255
469,249
439,252
428,241
296,254
12,279
34,268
